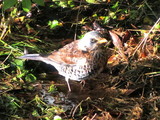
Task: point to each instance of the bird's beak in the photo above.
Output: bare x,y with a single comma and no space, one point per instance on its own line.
102,40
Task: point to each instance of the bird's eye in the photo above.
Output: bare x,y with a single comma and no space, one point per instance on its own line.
93,40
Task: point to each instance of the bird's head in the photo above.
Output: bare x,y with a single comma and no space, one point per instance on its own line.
91,40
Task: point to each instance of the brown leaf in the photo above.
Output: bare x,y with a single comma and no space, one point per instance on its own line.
118,44
112,59
116,40
126,36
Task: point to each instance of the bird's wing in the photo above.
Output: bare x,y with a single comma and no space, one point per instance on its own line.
69,54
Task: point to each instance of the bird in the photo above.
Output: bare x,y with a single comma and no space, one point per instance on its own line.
79,60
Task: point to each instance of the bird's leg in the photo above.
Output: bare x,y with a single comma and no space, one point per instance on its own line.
83,82
67,80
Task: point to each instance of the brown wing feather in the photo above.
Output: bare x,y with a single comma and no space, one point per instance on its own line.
69,54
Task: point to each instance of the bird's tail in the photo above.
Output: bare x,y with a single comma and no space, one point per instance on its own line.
37,57
42,58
